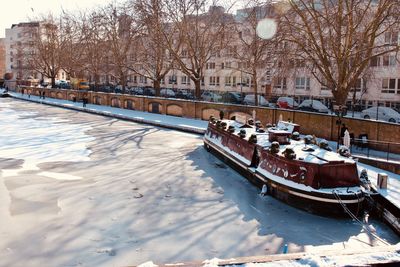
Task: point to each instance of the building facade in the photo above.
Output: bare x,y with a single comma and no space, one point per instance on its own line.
2,58
226,72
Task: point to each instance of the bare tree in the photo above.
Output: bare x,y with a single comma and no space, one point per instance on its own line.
194,34
254,53
150,57
95,53
339,38
120,28
71,36
48,48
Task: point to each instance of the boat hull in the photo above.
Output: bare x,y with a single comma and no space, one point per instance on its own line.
321,203
3,95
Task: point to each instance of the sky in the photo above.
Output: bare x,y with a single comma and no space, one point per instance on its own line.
16,11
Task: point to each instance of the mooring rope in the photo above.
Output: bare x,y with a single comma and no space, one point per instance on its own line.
348,211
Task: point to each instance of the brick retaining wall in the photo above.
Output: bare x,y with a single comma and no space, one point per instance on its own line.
320,125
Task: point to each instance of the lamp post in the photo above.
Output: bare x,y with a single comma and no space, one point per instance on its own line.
241,83
340,111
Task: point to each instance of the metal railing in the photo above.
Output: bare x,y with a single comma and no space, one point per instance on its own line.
388,151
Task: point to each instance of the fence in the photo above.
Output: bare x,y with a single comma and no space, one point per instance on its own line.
374,149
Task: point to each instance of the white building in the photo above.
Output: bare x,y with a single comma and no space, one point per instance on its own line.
19,45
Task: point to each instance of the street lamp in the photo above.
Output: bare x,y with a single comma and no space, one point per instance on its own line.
340,111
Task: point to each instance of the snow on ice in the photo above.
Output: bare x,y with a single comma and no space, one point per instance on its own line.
68,187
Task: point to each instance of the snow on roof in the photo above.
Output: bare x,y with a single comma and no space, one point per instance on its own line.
318,155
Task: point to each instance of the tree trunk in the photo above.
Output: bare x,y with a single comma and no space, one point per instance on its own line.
53,82
197,90
123,83
157,86
255,90
340,96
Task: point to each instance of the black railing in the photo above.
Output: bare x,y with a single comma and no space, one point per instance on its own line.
388,151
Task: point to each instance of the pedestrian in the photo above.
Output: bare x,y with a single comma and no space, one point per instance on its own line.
43,94
84,101
22,92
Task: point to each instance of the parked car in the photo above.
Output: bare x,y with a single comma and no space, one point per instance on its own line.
381,113
118,89
167,92
286,102
183,94
250,100
232,97
62,84
137,91
313,106
211,96
149,91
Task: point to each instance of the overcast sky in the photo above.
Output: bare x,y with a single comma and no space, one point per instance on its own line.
16,11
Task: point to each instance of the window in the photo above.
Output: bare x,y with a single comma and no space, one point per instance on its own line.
358,85
375,62
303,83
172,79
226,65
228,81
391,38
388,85
398,86
143,79
135,79
185,80
246,81
324,84
184,53
214,81
389,60
280,83
210,66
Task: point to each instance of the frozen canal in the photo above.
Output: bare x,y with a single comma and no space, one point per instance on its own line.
84,190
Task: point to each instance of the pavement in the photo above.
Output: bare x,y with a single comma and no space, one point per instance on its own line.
171,122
